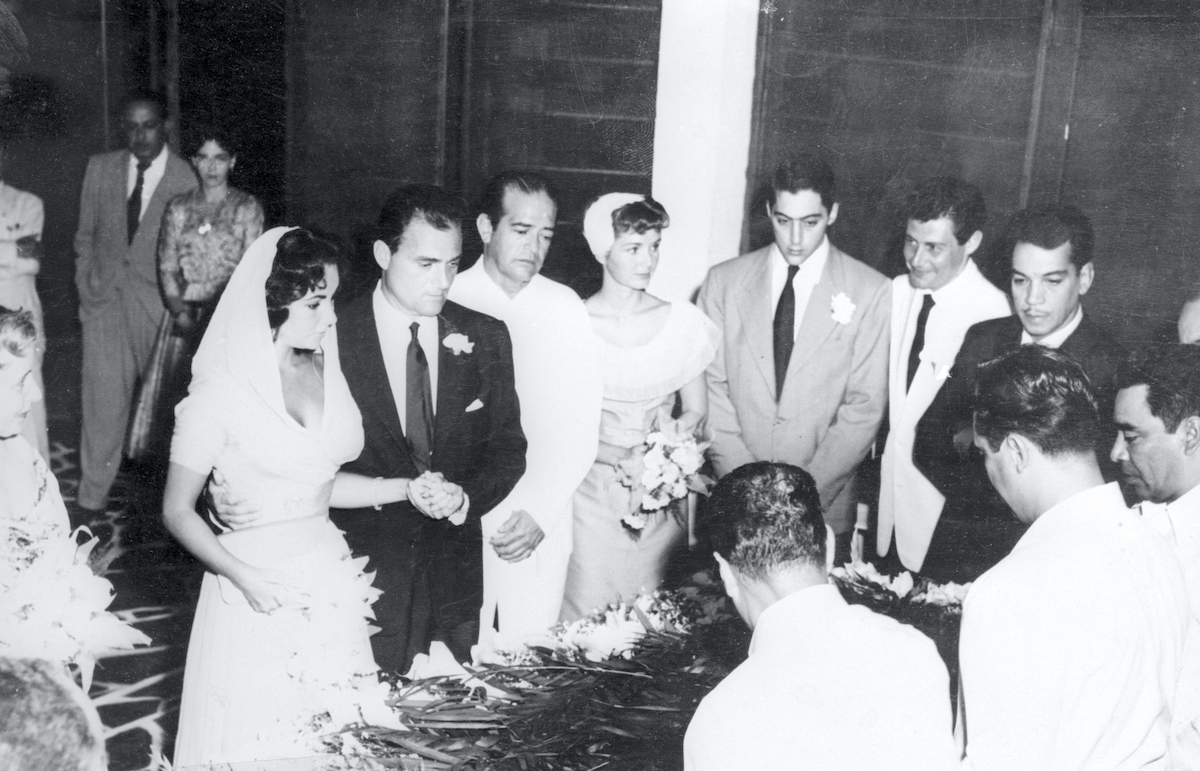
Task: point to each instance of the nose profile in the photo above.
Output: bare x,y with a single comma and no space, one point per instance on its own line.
1117,453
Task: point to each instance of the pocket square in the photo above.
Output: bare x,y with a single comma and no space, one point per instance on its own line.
475,405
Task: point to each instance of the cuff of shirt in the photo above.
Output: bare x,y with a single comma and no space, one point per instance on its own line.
460,516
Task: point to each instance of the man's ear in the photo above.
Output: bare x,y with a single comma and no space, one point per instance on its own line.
483,223
383,255
1021,450
973,242
1087,274
833,213
1190,427
728,577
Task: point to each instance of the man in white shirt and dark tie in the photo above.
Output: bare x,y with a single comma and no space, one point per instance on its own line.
827,685
1071,645
1158,447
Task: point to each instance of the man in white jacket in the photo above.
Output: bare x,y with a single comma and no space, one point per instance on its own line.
527,537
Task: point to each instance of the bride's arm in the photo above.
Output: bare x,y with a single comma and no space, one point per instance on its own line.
355,491
694,396
263,589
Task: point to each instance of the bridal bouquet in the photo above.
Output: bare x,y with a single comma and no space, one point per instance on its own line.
52,605
665,472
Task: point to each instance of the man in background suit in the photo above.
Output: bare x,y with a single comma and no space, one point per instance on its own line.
801,375
434,382
120,211
933,305
1051,271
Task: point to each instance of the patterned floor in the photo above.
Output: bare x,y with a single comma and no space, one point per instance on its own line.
156,585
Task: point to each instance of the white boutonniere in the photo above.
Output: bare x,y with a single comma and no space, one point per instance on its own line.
458,343
942,371
842,307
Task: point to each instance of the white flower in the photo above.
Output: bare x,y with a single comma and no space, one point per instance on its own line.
458,343
842,307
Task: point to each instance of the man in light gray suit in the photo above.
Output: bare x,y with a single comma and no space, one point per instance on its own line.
120,210
801,376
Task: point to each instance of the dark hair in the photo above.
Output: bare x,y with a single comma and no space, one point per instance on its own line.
152,98
528,182
763,516
204,133
640,216
1049,227
951,197
299,267
43,724
442,210
18,334
805,171
1041,394
1171,374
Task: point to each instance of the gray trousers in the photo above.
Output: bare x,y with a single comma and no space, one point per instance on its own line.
117,342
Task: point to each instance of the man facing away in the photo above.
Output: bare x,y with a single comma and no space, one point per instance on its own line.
827,685
434,382
1052,269
120,211
933,305
1158,447
1071,645
801,374
527,536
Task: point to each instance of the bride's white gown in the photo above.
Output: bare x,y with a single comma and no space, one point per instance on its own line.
255,684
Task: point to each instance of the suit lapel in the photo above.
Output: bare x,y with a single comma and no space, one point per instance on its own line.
818,322
368,352
753,303
449,390
118,193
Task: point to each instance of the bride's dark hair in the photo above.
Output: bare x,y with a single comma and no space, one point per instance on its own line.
299,267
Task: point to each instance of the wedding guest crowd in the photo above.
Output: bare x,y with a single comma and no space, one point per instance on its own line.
458,458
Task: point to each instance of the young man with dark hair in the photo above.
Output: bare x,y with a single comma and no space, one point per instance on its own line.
1071,645
942,295
1051,262
798,701
1158,448
801,374
46,721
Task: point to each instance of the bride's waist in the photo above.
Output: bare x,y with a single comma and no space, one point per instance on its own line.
281,541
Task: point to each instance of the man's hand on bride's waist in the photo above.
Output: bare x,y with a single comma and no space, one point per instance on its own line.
234,511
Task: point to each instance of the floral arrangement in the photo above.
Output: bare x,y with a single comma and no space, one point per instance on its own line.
52,604
664,472
863,581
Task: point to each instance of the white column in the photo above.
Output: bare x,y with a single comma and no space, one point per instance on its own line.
702,135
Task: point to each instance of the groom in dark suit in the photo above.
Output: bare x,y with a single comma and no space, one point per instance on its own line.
1051,252
434,382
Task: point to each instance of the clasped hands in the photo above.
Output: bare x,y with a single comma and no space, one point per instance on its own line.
435,497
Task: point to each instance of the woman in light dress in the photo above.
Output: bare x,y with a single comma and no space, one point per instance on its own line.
203,236
653,354
280,635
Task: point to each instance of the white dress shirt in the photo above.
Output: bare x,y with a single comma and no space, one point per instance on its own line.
1058,336
827,686
558,382
1071,645
806,278
393,325
1179,523
150,178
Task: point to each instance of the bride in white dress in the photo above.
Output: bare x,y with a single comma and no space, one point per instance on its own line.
279,651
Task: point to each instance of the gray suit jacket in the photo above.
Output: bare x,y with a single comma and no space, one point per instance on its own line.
108,267
836,386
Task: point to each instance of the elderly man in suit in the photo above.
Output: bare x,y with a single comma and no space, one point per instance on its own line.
1052,269
801,375
933,305
120,211
434,382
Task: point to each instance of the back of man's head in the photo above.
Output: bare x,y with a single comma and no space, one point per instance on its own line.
46,722
432,204
1040,394
763,518
1049,227
949,197
805,171
524,181
1171,374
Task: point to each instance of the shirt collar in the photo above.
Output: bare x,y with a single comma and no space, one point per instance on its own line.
1177,521
157,165
1058,336
385,308
814,601
1064,514
810,269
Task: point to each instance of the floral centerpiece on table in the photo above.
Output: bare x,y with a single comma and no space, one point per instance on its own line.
665,470
53,605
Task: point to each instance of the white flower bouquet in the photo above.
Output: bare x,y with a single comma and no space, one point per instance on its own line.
52,605
665,471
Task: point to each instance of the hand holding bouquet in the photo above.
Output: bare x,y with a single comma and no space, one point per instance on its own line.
665,470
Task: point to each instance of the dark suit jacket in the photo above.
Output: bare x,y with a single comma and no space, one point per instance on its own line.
108,267
431,571
961,477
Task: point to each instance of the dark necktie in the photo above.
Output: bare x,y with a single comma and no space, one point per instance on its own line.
914,353
419,409
785,329
133,207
